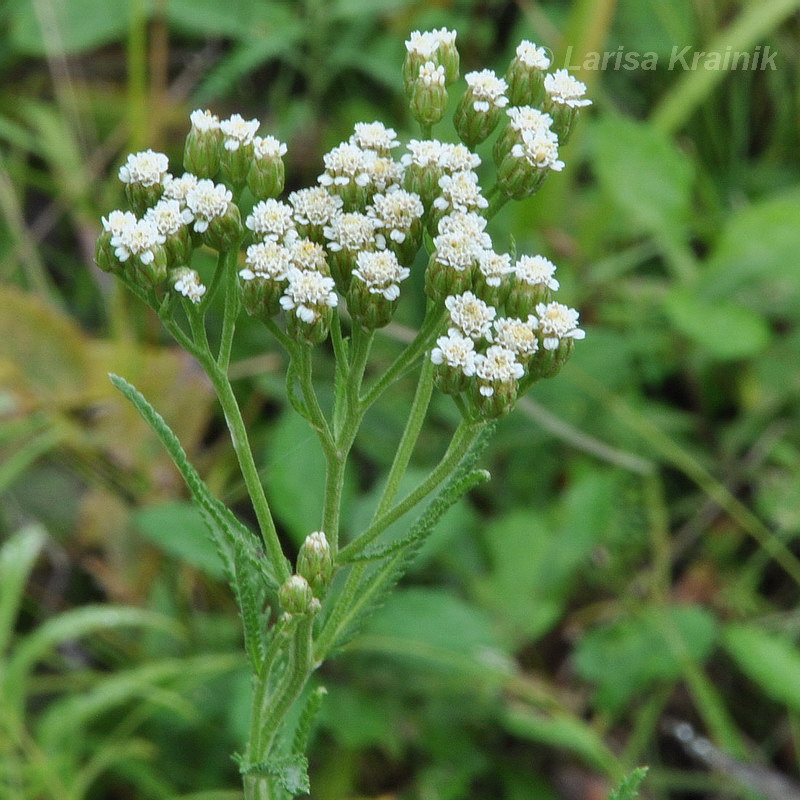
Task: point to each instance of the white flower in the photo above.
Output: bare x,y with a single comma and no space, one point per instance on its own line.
308,255
522,118
431,75
178,188
566,90
315,205
169,216
487,90
266,260
139,240
346,163
307,293
532,56
498,365
455,350
424,153
396,211
117,222
536,270
374,136
268,147
556,322
470,226
238,131
458,158
271,219
470,315
455,250
204,121
460,192
517,335
383,173
539,148
146,168
493,266
381,272
424,44
187,282
351,232
207,201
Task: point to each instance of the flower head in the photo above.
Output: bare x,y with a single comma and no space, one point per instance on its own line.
494,266
187,282
536,270
146,168
139,240
268,147
117,222
315,205
486,90
351,232
497,366
471,316
238,131
203,121
178,188
374,136
539,148
460,192
564,89
271,219
396,212
169,216
517,335
207,201
455,350
308,293
557,322
347,163
532,55
266,259
381,272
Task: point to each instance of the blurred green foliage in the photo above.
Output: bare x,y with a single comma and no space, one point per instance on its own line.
634,558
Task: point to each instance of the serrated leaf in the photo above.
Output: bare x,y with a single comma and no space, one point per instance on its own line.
235,543
629,787
722,328
769,659
291,772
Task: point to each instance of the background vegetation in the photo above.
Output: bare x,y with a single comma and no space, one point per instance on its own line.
633,564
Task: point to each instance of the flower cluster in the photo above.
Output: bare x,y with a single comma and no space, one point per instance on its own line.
353,239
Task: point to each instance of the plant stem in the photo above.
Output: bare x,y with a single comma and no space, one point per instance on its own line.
462,440
496,203
232,306
416,417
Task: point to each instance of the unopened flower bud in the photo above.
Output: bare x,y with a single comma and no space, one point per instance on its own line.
104,254
225,231
315,562
236,154
267,174
202,148
424,166
427,95
296,597
525,75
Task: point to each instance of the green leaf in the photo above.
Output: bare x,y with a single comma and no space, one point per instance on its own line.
180,531
238,547
67,26
562,731
438,630
629,787
725,330
625,657
291,772
295,476
643,173
769,659
759,243
17,557
235,19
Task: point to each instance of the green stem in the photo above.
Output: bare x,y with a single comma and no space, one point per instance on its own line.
419,409
495,204
232,306
341,608
219,271
462,440
425,335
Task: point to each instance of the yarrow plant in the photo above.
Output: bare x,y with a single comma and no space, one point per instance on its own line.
330,264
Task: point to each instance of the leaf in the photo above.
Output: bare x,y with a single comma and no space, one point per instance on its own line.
235,19
291,772
180,531
643,173
769,659
236,544
559,730
437,630
759,243
625,657
295,476
722,328
17,557
66,26
629,787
